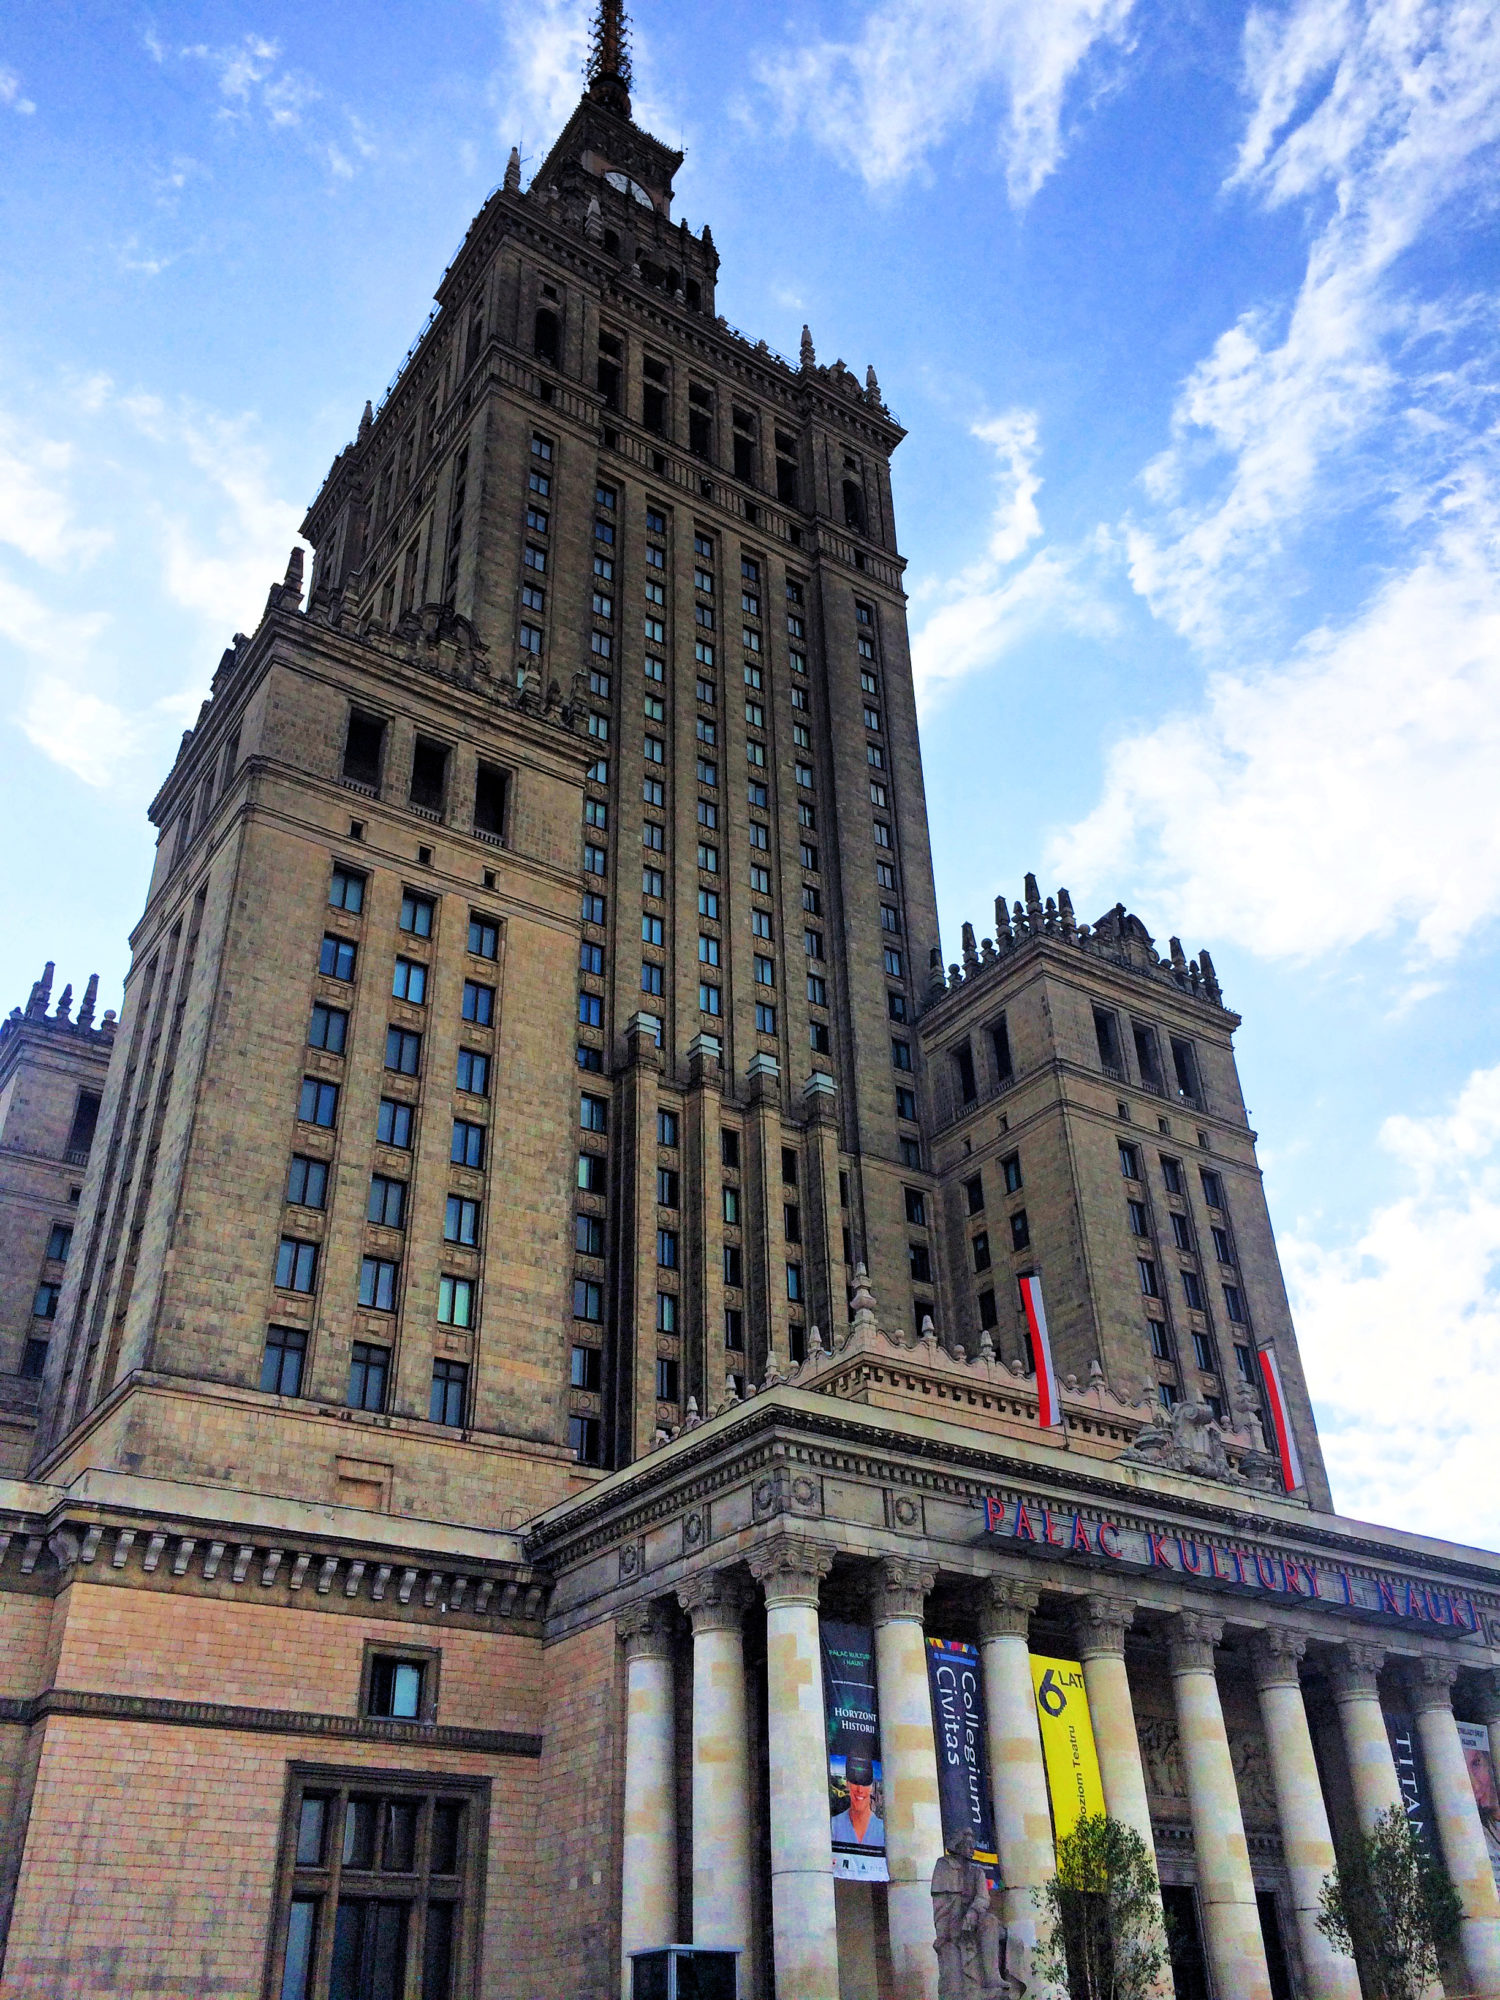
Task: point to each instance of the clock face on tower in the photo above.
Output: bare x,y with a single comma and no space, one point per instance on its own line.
627,186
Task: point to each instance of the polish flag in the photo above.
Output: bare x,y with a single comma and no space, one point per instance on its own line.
1281,1423
1049,1405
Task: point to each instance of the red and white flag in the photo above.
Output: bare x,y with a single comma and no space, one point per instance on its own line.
1281,1423
1049,1405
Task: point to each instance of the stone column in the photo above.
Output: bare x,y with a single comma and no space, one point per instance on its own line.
1226,1889
908,1753
803,1924
1023,1819
648,1867
721,1764
1459,1826
1306,1840
1100,1624
1372,1768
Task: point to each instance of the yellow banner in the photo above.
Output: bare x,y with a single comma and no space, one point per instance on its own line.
1062,1710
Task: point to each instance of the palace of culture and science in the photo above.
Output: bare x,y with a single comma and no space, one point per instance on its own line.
549,1257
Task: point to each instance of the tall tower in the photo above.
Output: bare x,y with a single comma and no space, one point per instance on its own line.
604,594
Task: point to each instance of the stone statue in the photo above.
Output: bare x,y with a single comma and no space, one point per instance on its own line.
969,1938
1186,1439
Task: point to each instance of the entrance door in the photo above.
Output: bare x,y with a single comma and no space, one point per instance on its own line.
1270,1930
1185,1941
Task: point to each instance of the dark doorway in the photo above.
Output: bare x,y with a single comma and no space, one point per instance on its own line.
1185,1941
1270,1930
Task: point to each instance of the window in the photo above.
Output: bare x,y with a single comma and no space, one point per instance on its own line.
1221,1244
1244,1360
369,1369
455,1301
794,1283
450,1392
1213,1188
1203,1353
588,1235
593,1113
429,773
729,1147
734,1273
45,1298
403,1051
591,958
878,794
1171,1173
536,520
765,1019
734,1329
587,1371
589,1058
804,774
988,1316
708,774
981,1247
461,1220
760,836
1182,1235
318,1103
651,978
409,981
296,1271
1234,1305
416,914
760,879
653,883
281,1364
467,1149
963,1063
588,1300
817,990
765,970
1020,1230
1185,1069
1130,1161
535,559
916,1207
668,1193
593,1173
892,962
731,1205
666,1128
1161,1340
590,1010
541,447
910,1152
1146,1273
346,890
708,814
706,691
708,904
1192,1290
1107,1036
387,1203
1136,1211
807,856
653,836
919,1258
377,1283
306,1182
595,860
585,1438
666,1379
666,1313
328,1029
337,957
708,858
593,911
484,936
900,1054
393,1123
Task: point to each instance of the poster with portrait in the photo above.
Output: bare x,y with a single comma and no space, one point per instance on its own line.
957,1689
856,1803
1475,1738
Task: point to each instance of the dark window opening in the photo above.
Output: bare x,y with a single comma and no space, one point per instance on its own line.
1000,1043
362,748
787,485
429,774
1148,1062
654,410
744,460
609,383
1107,1034
489,800
700,433
854,507
85,1122
974,1189
1185,1068
546,339
963,1062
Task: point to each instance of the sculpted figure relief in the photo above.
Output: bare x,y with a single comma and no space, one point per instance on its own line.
970,1939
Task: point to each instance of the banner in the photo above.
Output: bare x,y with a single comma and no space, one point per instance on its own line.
1476,1741
1049,1412
1281,1423
953,1676
1411,1774
1062,1710
851,1711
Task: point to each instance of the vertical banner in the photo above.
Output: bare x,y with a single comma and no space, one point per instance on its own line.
851,1707
1476,1741
1281,1423
1049,1405
1411,1774
953,1675
1062,1710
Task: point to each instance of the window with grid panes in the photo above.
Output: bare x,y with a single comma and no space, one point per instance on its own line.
379,1885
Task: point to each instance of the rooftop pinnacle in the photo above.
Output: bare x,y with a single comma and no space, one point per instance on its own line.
608,68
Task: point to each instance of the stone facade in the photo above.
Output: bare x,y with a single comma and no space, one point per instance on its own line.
554,1234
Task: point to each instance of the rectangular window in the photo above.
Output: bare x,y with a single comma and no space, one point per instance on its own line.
910,1151
595,860
760,879
306,1182
387,1203
586,1439
318,1103
337,957
651,931
666,1379
1136,1213
416,914
588,1235
369,1369
591,958
44,1299
1213,1187
733,1265
900,1054
455,1301
919,1258
666,1313
587,1370
377,1283
1171,1173
362,749
653,836
708,774
708,858
1203,1352
1234,1305
974,1193
296,1271
804,774
588,1300
653,883
281,1363
593,1173
655,750
729,1147
403,1051
1182,1235
709,998
1185,1069
1107,1037
1130,1161
666,1128
1146,1272
734,1329
794,1283
765,970
817,990
1244,1360
393,1123
593,1113
765,1019
906,1102
467,1149
667,1187
981,1248
474,1072
1221,1244
328,1029
1192,1290
461,1221
590,1010
484,936
346,890
760,836
878,794
450,1395
1161,1341
409,981
708,814
1020,1230
593,911
651,978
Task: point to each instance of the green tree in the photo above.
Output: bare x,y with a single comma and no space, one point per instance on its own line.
1390,1906
1106,1939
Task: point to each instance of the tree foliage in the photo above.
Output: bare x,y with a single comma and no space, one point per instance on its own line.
1107,1940
1391,1907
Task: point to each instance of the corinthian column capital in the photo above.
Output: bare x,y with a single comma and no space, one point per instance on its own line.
1432,1685
1100,1624
902,1587
1007,1609
1191,1638
790,1568
1354,1672
645,1630
1276,1655
715,1600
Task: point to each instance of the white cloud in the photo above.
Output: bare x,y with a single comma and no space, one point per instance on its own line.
36,513
1400,1332
916,72
1343,794
79,730
1377,116
535,89
10,94
964,624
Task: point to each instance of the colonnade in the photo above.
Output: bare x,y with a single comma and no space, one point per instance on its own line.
804,1937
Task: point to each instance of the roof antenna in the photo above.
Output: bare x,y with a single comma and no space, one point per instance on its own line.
608,67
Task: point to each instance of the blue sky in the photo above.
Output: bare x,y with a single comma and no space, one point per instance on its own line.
1191,311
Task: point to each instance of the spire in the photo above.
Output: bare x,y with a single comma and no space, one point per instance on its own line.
608,67
808,356
41,993
90,995
513,171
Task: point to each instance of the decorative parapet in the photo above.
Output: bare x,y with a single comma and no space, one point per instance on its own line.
1118,937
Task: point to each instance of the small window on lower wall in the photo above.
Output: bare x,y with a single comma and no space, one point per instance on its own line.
379,1886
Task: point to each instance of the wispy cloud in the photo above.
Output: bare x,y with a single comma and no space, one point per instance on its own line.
535,88
1345,793
885,99
1400,1331
11,98
1375,117
965,624
37,515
